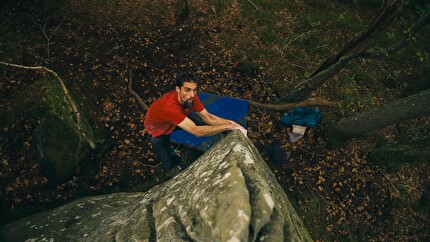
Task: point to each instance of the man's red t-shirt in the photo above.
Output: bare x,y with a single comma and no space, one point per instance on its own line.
166,113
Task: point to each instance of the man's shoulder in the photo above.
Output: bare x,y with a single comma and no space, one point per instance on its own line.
168,102
169,96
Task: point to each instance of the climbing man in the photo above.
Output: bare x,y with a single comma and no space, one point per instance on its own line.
171,110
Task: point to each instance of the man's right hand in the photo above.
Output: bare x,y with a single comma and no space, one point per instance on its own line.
239,127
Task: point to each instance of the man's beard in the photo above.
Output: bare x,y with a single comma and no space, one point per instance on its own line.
188,105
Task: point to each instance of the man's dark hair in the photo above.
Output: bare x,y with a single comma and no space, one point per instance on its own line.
185,77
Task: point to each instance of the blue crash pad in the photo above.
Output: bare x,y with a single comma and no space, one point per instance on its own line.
225,107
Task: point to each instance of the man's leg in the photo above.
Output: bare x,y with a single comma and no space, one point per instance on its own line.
161,148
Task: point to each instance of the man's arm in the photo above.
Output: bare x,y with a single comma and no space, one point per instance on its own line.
207,130
212,119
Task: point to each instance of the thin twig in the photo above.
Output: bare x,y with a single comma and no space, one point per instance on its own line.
396,191
137,160
409,187
318,192
298,66
48,38
253,4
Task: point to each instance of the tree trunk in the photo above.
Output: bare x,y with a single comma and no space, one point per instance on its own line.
392,156
414,106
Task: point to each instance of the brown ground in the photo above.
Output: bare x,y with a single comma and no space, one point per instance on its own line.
337,190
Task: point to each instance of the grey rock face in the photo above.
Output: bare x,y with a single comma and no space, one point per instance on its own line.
228,194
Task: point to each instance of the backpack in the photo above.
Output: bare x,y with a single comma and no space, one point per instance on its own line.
303,116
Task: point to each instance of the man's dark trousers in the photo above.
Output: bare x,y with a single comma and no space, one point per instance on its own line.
161,148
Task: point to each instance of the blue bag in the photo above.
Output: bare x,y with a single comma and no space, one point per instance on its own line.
303,116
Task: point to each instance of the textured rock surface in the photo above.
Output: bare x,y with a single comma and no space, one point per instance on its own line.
228,194
56,143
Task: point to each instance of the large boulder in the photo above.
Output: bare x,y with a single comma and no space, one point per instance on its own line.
228,194
56,143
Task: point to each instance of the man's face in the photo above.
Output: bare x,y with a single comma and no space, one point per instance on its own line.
186,94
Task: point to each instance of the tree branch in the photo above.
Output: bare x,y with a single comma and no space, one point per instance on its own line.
408,35
317,102
135,95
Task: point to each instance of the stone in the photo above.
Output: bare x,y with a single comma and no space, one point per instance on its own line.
228,194
55,146
56,143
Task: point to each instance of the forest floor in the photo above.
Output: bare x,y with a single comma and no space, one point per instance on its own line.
93,46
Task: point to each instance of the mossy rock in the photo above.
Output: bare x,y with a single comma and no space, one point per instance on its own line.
58,104
56,146
55,141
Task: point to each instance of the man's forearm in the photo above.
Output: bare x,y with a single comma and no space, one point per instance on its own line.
215,120
208,130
